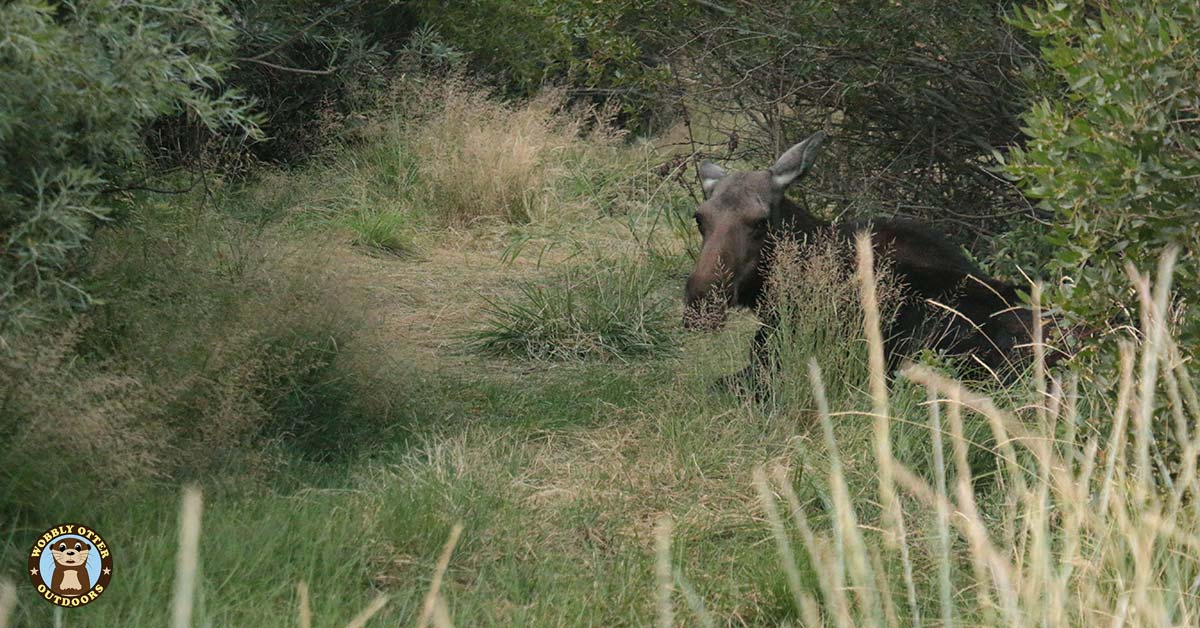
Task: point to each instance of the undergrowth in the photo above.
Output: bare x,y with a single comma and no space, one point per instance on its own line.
219,348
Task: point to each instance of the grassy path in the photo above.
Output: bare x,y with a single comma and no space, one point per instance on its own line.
557,471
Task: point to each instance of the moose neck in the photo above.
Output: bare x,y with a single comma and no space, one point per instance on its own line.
795,220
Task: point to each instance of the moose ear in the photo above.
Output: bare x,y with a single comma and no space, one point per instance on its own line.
710,174
796,162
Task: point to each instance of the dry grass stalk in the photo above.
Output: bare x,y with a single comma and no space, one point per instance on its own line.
8,601
1116,443
849,546
695,602
188,558
304,610
662,572
833,589
367,613
441,614
1039,353
966,498
431,597
880,407
945,589
782,544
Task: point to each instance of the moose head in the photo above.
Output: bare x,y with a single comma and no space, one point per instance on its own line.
739,213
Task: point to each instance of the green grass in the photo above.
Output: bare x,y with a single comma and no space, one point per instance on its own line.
601,310
318,396
387,232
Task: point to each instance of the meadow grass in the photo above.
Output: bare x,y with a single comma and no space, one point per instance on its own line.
354,462
661,513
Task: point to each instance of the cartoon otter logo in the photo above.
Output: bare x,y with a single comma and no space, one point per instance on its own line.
70,571
70,565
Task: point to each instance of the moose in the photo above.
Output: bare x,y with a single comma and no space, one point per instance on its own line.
744,213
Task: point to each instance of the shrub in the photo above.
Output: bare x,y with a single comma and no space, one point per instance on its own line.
1114,157
308,65
80,82
68,418
917,93
602,311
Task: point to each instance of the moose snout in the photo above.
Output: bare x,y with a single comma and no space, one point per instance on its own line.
704,304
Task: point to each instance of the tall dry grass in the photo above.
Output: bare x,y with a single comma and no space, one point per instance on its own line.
812,312
442,152
1090,531
482,158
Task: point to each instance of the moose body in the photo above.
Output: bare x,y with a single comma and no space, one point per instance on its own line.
950,304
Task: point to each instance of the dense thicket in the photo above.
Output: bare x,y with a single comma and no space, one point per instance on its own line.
307,65
81,81
918,94
615,52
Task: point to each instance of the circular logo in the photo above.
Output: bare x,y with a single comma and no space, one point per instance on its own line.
70,565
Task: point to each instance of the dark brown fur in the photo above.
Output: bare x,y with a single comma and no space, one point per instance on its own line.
744,212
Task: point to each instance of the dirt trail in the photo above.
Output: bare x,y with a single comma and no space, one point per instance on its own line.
426,302
423,304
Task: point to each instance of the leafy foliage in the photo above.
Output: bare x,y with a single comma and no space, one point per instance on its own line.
307,64
80,81
1115,156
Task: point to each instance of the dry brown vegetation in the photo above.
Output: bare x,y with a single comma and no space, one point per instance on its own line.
484,159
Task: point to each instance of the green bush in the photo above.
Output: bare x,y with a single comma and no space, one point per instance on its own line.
309,66
1115,156
586,312
80,82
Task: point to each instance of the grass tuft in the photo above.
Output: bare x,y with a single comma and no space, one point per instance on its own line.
383,231
612,311
818,312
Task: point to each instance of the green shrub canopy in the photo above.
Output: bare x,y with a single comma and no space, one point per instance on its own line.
80,81
1115,155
